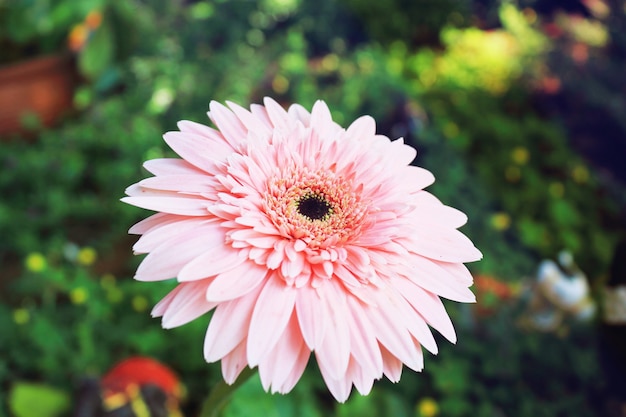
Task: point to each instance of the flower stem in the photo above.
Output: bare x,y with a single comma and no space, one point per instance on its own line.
219,396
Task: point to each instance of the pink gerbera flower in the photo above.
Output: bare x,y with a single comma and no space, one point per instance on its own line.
303,237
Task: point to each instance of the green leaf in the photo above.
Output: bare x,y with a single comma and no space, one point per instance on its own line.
28,400
98,54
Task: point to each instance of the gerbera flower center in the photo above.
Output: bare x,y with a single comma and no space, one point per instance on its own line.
317,207
314,206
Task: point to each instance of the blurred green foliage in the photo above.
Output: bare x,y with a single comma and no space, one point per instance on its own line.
460,94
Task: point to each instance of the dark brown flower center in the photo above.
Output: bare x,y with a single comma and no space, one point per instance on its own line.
314,207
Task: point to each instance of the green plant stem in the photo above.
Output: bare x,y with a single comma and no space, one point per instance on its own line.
220,395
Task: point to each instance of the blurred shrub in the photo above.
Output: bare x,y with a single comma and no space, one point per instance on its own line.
416,22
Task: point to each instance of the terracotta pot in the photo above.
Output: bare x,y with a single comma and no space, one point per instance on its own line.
41,86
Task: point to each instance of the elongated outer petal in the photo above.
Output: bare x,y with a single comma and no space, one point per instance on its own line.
296,371
362,381
278,365
364,346
234,363
311,317
216,261
187,305
165,230
174,204
428,305
432,276
364,126
392,366
229,125
392,333
339,388
334,352
203,153
171,166
229,326
250,122
272,311
443,244
236,282
166,260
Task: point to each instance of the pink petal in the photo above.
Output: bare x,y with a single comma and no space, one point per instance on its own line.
250,122
459,271
278,116
234,363
199,151
218,260
153,221
228,124
169,258
278,365
334,352
363,126
260,113
236,282
392,366
362,381
188,126
311,317
172,204
184,184
171,166
390,299
339,388
392,332
300,113
188,304
229,326
271,314
364,346
322,120
443,244
164,231
432,277
296,371
428,305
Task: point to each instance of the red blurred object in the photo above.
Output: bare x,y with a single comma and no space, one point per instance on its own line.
43,87
489,292
553,30
140,370
136,387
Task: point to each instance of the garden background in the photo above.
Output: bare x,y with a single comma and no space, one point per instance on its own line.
518,108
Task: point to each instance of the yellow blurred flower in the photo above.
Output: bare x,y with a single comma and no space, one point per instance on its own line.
21,316
93,19
330,62
107,281
139,303
450,130
35,262
580,174
556,189
86,256
500,221
520,155
280,84
427,407
79,295
78,37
